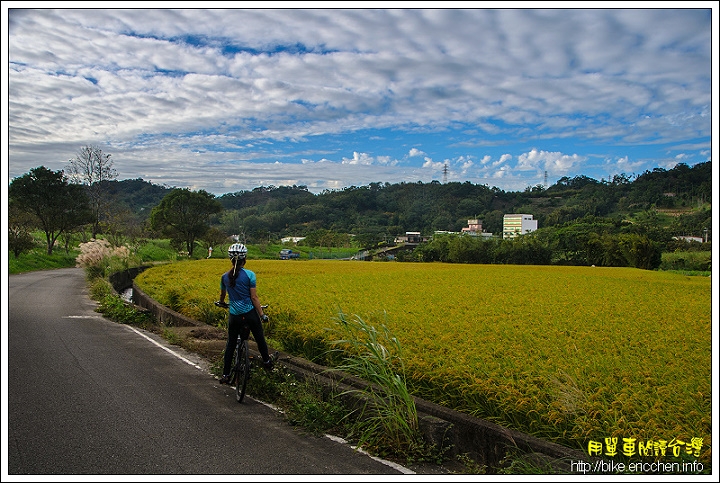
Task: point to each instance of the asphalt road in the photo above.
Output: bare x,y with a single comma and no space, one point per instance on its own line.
87,396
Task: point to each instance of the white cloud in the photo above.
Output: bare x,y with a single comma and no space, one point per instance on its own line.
162,89
555,162
623,165
359,158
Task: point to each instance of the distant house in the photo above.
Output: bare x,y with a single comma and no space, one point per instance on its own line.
410,238
474,227
689,238
518,224
292,239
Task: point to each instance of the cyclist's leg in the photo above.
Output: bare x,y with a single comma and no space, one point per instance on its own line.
259,336
234,326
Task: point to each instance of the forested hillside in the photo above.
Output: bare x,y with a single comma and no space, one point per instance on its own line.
678,200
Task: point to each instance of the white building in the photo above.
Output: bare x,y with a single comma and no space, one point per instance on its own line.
293,239
518,224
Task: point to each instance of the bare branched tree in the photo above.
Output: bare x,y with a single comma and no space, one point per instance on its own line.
90,168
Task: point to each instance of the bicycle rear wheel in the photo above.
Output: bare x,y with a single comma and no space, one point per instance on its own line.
242,370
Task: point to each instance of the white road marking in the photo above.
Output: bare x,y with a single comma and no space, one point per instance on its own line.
166,349
398,467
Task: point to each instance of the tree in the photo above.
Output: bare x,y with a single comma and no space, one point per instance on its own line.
184,215
214,238
640,251
58,205
20,223
91,167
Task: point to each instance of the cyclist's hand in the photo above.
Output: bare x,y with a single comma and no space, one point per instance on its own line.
221,304
264,318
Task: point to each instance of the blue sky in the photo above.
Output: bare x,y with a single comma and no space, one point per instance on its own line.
228,99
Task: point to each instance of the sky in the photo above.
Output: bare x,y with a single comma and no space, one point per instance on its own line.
227,100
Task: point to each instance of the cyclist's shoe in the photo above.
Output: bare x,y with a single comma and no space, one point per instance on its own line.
271,361
225,379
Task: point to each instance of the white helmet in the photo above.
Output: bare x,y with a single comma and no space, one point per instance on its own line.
237,251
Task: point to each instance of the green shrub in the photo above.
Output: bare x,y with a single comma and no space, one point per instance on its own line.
112,306
100,259
303,402
694,261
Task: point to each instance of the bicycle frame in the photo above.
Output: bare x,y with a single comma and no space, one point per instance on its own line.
240,372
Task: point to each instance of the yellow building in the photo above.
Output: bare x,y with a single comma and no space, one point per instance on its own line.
518,224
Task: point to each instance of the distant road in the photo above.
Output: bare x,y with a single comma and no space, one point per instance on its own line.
87,396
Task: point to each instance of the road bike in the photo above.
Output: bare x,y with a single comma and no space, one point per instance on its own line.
240,369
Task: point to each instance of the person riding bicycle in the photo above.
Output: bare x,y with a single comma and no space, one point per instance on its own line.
239,284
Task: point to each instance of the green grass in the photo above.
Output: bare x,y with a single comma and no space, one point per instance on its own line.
38,259
156,251
304,403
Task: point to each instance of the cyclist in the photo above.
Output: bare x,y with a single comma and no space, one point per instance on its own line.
245,308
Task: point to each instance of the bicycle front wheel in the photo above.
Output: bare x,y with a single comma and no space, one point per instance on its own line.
242,371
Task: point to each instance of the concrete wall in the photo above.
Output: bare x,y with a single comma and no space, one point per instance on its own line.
459,433
122,281
163,314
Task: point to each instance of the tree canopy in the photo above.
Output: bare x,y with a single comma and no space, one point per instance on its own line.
183,215
57,205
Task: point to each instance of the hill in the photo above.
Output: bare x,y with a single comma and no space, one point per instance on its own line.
677,200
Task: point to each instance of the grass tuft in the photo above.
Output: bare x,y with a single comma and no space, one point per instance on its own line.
390,418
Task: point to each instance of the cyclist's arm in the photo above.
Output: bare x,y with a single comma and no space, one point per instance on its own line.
222,295
256,301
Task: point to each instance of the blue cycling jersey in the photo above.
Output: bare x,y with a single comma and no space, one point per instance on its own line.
240,301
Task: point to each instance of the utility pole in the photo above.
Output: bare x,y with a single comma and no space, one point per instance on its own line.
445,171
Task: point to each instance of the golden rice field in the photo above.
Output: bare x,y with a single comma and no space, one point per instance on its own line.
571,354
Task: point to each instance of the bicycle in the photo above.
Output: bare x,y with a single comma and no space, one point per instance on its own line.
240,369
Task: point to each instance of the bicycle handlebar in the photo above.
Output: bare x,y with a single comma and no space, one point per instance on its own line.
225,305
